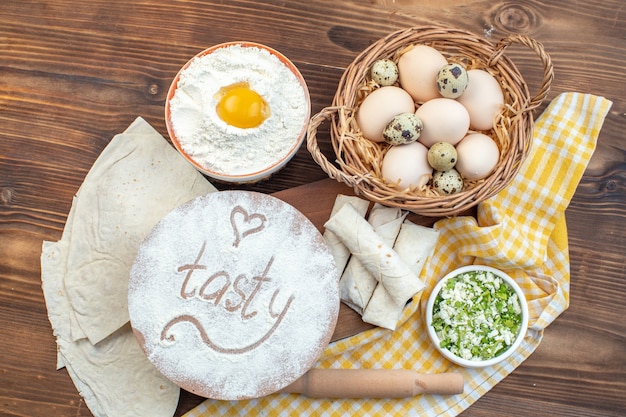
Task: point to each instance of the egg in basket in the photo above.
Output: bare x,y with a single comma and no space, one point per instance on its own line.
430,120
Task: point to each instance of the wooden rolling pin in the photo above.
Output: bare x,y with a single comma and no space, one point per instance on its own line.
373,383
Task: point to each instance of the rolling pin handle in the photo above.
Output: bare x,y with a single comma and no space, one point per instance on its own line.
374,383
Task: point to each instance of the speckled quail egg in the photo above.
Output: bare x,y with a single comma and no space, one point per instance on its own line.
384,72
452,80
402,129
447,182
442,156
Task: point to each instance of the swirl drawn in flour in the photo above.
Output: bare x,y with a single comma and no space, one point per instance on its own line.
249,223
215,346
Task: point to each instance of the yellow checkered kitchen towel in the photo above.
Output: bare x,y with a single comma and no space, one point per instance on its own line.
521,230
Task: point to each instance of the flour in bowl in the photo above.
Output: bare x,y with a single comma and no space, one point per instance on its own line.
224,148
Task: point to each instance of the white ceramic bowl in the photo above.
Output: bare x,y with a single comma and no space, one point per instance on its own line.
473,362
253,175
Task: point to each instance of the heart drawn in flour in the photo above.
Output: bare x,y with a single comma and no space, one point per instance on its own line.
245,224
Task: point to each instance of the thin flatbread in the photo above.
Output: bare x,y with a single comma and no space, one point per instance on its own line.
115,378
137,179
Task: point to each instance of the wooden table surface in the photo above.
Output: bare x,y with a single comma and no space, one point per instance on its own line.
75,73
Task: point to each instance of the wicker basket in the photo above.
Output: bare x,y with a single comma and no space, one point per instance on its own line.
357,161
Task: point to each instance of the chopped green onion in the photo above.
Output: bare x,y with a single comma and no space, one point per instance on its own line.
476,315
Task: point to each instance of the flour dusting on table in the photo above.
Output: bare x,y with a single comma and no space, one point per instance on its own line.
234,295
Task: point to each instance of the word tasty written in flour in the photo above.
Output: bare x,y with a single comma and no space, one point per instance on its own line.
239,296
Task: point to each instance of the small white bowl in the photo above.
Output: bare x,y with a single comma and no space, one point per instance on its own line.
475,363
281,160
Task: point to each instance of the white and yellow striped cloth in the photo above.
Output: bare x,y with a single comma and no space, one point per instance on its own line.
521,230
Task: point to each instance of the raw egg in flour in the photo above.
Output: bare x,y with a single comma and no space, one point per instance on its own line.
240,106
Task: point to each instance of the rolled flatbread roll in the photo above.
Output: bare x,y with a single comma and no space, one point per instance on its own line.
415,244
340,253
374,253
357,284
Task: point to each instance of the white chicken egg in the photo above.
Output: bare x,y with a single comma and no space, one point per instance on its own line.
407,165
418,69
444,120
379,107
478,155
483,98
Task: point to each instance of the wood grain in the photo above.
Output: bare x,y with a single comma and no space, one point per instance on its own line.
73,74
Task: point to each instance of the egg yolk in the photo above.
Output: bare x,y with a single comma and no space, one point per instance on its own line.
240,106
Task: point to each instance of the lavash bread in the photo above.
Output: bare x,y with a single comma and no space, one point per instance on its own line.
138,178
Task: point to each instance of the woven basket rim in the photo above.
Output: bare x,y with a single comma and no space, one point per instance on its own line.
514,130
